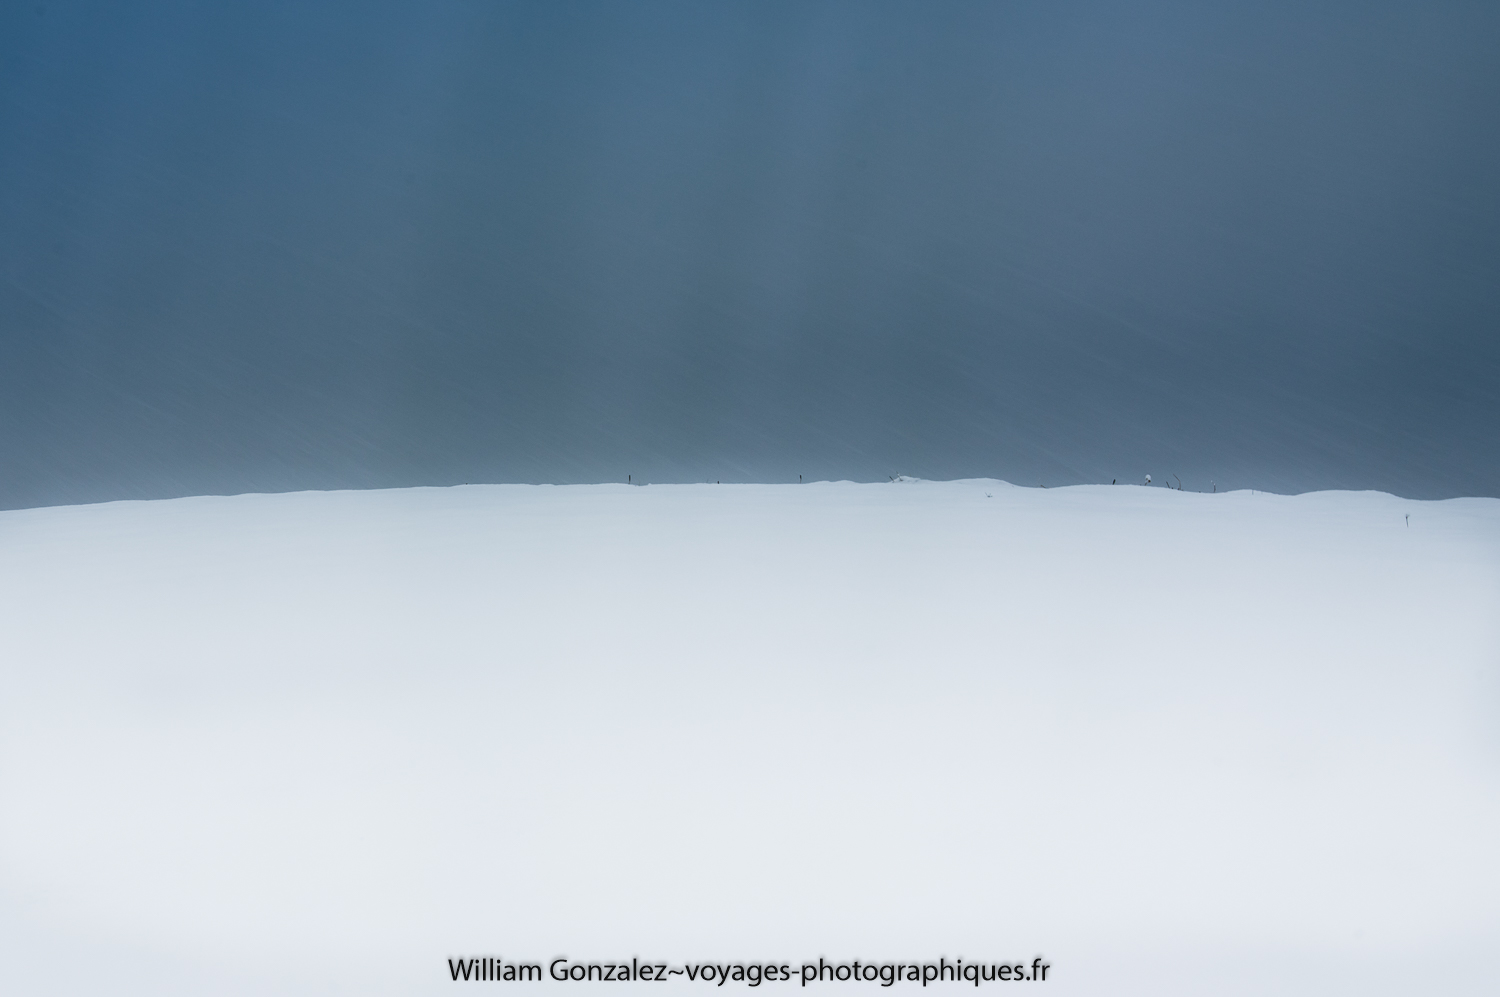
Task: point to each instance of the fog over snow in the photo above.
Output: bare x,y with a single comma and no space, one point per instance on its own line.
409,281
1175,743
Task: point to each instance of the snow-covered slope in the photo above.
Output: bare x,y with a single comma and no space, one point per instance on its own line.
1171,742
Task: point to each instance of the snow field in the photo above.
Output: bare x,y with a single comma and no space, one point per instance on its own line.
1176,743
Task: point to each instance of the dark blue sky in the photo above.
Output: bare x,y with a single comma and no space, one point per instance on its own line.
367,244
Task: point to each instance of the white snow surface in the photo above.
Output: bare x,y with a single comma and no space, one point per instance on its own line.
1174,743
